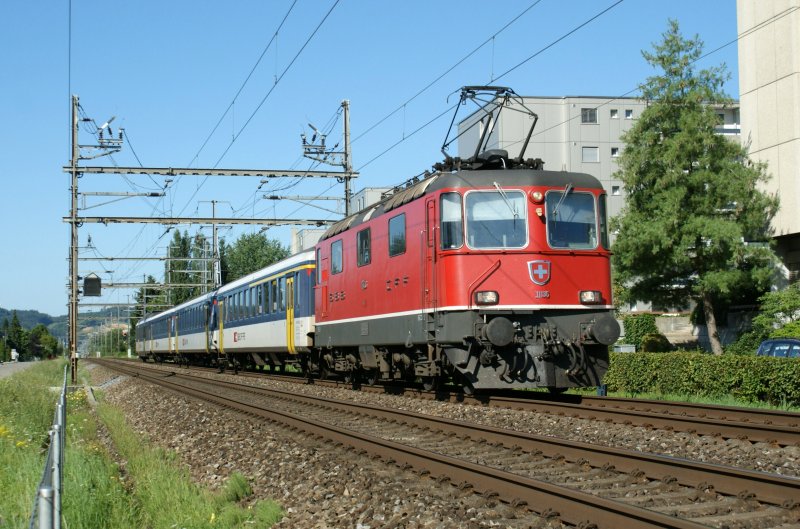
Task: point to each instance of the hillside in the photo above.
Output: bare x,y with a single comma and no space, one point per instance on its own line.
56,325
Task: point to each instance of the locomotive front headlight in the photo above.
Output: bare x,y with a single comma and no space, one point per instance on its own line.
590,296
487,297
536,196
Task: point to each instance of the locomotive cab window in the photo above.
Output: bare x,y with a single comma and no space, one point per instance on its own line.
397,235
364,243
571,219
496,219
336,257
602,215
452,222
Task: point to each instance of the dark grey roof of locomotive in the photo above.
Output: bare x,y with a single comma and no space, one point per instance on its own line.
465,179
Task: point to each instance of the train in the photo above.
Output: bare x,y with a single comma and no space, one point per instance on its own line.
489,273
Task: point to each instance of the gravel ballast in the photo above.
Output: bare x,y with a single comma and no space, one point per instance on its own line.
320,485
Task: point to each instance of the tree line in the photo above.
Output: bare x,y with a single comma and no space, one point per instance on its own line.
36,343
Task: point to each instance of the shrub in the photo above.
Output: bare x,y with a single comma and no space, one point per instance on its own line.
655,343
637,326
750,378
790,330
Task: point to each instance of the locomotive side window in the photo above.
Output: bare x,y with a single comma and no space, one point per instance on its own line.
496,219
319,266
364,242
397,235
336,257
452,222
602,215
571,219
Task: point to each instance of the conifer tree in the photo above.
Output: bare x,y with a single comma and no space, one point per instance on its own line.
696,223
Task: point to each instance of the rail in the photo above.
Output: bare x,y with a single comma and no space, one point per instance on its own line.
46,511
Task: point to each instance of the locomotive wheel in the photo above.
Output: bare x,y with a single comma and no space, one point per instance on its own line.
324,373
371,377
430,383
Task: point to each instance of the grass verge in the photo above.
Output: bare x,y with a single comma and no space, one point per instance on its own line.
151,491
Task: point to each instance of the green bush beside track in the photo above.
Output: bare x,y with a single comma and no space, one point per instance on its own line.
749,378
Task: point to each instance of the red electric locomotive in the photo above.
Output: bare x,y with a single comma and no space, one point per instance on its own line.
490,271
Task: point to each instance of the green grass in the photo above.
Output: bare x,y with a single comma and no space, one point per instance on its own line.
152,491
26,414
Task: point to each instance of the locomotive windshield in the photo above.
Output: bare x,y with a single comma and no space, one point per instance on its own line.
571,220
496,219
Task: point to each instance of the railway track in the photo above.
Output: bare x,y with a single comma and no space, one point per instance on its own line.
580,482
756,425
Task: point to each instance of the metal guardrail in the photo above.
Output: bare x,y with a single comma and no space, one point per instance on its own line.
47,505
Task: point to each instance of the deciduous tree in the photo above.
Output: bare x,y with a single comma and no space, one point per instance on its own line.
250,252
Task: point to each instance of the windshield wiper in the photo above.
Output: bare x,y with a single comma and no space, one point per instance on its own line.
567,191
511,208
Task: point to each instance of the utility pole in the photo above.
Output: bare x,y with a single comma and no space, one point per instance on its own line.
217,264
73,262
318,151
348,164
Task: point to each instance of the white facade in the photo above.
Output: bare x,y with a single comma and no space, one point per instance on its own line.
769,85
305,239
574,133
367,197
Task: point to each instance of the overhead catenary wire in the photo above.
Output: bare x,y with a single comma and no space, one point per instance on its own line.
447,71
263,100
548,46
740,36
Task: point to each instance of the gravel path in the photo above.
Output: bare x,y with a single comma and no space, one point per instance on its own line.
323,486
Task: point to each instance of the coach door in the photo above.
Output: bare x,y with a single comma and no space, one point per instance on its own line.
221,326
174,336
429,256
290,315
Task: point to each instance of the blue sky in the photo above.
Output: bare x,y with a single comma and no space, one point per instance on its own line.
168,71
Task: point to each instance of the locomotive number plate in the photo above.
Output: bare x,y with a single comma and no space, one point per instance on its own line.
542,294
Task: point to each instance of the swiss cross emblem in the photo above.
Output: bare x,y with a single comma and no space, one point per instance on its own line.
539,271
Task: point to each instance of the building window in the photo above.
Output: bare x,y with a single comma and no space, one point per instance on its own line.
628,113
614,113
336,257
614,152
364,243
590,154
615,191
588,115
397,235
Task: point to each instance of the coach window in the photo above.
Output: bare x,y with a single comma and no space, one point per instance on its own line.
336,257
496,219
274,295
452,222
571,219
364,242
252,301
260,300
397,235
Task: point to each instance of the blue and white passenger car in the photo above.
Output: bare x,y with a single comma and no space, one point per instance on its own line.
266,317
